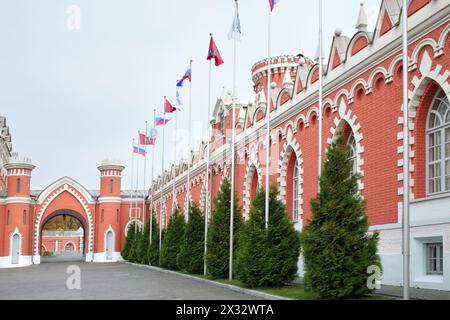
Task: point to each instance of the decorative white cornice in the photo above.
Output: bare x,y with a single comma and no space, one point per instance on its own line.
10,200
109,200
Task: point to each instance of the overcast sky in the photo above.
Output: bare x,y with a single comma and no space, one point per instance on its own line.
75,97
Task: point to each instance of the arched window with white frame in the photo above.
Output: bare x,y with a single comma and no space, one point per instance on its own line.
438,144
295,191
351,143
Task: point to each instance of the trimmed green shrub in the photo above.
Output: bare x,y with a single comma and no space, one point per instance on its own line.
267,257
218,241
337,247
142,245
129,240
191,256
153,248
173,240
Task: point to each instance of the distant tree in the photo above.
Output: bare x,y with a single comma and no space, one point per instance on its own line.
337,247
218,241
191,256
267,257
129,240
142,246
153,249
173,239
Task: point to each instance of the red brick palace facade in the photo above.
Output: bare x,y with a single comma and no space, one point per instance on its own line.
362,88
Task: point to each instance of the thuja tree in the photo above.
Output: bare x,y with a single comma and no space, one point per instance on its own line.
133,254
142,245
191,256
267,257
129,240
218,241
153,248
337,247
173,240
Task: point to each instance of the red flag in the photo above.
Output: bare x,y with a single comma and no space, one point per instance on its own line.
146,140
213,53
168,108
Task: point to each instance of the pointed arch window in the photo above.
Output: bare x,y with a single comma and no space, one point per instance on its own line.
351,143
438,144
295,191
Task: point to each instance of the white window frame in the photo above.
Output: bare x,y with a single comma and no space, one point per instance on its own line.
441,129
295,191
438,258
351,142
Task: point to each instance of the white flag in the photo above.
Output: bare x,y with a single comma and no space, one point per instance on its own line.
235,32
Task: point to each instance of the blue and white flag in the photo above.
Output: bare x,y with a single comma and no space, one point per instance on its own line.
178,96
235,32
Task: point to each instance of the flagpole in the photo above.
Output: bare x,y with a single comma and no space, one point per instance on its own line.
145,173
269,66
132,185
162,185
320,92
137,193
232,156
151,201
188,194
174,161
406,159
208,133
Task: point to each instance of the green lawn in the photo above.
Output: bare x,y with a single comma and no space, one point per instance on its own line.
297,292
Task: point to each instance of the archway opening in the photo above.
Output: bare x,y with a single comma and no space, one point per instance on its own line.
63,237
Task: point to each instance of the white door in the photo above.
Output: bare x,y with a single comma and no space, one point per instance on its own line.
15,250
109,245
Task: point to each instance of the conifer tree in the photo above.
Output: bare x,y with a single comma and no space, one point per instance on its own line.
337,247
129,239
133,253
142,246
173,239
191,256
153,248
267,257
218,241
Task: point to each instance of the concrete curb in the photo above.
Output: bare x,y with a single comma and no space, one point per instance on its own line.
259,294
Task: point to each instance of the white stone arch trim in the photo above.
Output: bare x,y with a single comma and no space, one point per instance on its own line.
427,74
291,145
252,166
11,236
313,110
373,75
125,231
428,42
185,206
390,74
345,115
441,41
58,183
66,187
69,242
342,93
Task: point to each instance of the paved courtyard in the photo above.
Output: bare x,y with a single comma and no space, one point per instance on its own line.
105,281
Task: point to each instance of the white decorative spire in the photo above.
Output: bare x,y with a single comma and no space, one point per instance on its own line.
262,97
361,23
287,81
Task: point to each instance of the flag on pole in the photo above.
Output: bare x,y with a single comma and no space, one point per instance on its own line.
139,150
187,76
272,4
235,32
213,53
168,108
160,121
178,96
146,140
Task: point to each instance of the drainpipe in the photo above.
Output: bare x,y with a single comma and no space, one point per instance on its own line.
93,227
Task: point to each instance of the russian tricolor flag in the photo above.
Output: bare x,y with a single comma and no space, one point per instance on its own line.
139,150
187,75
272,4
160,121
